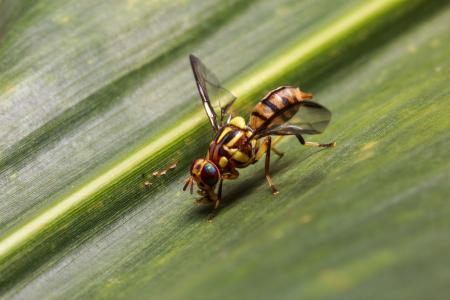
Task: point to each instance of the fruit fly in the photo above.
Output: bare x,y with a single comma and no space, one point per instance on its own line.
285,110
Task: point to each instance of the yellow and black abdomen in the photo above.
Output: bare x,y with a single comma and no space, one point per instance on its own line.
277,107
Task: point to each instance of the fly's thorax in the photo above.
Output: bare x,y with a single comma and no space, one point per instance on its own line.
233,147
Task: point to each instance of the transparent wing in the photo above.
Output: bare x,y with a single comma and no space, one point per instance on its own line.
213,95
311,118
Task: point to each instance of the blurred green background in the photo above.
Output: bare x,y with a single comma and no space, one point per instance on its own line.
93,94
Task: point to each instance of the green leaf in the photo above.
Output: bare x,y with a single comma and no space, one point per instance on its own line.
94,94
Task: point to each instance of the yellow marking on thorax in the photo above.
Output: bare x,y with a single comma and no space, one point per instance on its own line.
223,162
235,139
239,122
240,156
224,132
230,151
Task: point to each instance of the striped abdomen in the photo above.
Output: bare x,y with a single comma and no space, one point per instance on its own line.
277,107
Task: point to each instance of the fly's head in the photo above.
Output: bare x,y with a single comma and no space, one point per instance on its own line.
205,173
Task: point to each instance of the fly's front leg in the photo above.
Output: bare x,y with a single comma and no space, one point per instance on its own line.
213,213
203,200
314,144
266,168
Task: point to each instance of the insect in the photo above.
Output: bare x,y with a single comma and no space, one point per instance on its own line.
285,110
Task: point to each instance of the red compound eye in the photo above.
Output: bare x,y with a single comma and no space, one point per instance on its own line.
210,174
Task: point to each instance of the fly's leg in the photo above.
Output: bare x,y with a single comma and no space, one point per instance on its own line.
232,174
275,150
265,148
203,200
314,144
266,168
213,213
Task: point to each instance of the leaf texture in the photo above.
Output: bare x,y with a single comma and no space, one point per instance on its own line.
94,94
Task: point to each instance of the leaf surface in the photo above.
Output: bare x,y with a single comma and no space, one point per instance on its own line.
94,95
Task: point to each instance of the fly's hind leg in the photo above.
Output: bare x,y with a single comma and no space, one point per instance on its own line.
213,212
314,144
